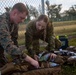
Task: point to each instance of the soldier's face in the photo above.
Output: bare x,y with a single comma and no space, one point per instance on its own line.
40,25
19,17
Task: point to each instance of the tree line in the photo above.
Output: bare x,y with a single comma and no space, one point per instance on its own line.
53,12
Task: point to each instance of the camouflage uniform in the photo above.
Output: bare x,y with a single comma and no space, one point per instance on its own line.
32,37
14,34
8,36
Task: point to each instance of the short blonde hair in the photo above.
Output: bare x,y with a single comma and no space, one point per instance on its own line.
20,7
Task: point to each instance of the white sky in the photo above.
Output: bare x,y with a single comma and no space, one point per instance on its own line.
66,4
9,3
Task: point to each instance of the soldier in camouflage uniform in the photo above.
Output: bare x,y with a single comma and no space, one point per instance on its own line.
45,33
8,30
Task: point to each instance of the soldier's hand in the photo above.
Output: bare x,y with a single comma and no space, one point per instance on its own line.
36,57
32,61
53,56
35,64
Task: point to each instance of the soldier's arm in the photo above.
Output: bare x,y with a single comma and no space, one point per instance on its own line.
50,37
29,40
12,50
7,43
14,35
32,61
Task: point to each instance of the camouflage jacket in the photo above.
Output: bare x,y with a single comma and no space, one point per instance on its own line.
14,34
7,35
32,37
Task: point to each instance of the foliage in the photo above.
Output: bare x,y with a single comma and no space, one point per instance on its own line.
33,12
71,11
53,11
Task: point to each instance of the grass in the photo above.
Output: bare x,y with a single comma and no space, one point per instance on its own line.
69,70
64,23
72,42
69,29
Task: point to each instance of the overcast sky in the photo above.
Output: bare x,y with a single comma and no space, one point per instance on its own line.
65,3
9,3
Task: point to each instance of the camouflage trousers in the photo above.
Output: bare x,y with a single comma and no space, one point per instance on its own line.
43,71
27,69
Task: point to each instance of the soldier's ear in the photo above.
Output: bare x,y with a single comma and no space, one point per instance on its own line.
15,12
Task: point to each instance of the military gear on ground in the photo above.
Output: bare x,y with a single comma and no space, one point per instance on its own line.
69,57
71,48
72,60
64,41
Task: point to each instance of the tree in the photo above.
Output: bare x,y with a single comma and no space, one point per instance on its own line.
53,11
33,12
71,11
28,17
